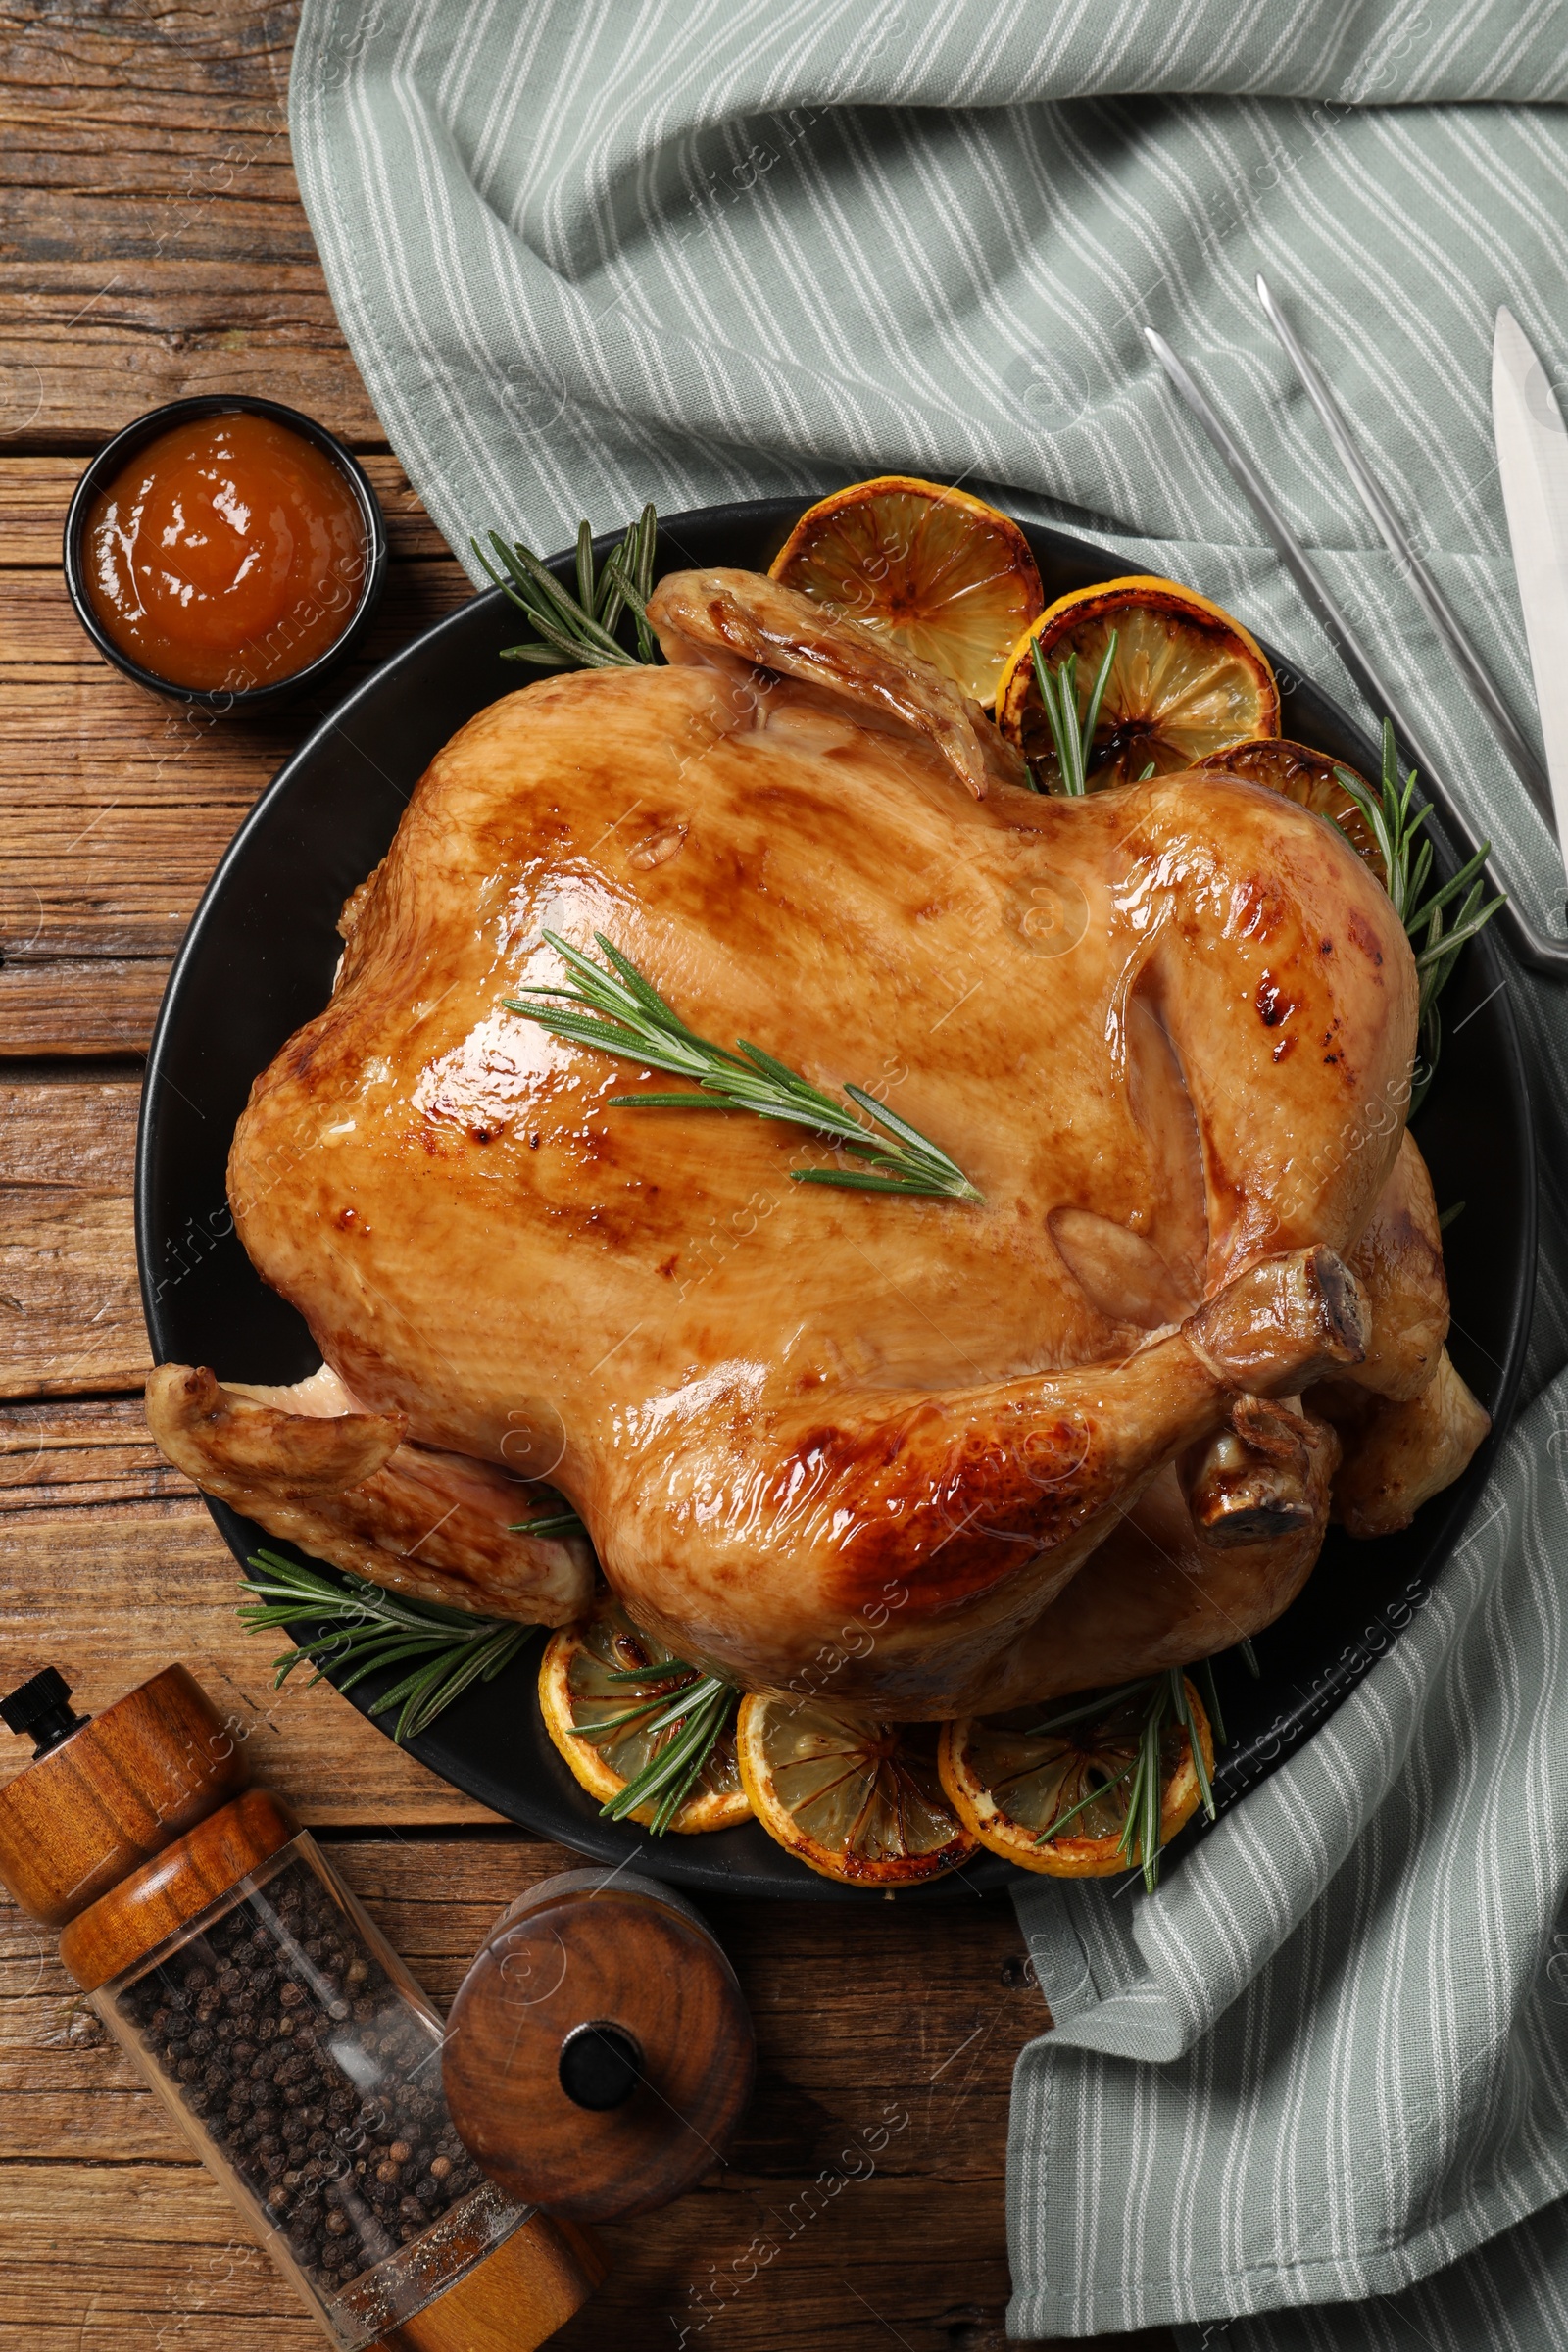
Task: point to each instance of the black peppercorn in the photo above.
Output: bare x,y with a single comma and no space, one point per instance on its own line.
248,2028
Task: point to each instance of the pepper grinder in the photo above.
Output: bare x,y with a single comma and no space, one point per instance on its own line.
287,2039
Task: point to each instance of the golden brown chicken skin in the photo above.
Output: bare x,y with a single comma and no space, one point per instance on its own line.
1166,1031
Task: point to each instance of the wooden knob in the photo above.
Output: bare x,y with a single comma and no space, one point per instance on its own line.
115,1791
599,2052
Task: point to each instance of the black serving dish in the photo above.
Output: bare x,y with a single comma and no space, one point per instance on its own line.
259,961
117,453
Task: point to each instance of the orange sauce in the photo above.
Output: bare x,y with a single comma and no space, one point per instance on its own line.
228,554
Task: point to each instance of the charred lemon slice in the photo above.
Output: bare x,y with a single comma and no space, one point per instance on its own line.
610,1700
1052,1785
1311,779
1186,680
945,575
856,1802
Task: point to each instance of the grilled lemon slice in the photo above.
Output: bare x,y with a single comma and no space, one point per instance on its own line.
1187,680
854,1801
603,1687
943,573
1311,779
1011,1783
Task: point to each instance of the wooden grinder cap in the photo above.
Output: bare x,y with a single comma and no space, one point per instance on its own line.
599,2051
110,1792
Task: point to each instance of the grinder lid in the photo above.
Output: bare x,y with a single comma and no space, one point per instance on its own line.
105,1793
599,2052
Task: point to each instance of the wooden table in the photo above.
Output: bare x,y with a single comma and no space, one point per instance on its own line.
157,247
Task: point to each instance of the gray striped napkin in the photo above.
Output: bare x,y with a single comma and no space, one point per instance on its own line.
719,248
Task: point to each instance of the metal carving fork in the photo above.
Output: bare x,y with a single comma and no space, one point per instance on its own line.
1540,952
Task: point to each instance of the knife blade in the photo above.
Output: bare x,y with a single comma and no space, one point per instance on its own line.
1532,464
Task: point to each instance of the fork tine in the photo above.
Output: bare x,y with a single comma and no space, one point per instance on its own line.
1395,539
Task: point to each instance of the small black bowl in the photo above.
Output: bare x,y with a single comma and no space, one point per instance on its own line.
109,463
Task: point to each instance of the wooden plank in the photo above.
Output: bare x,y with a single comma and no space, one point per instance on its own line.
116,805
84,1454
81,1004
177,260
69,1309
131,70
148,2258
94,345
885,2046
110,1592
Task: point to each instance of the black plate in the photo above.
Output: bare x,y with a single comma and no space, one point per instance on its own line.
258,961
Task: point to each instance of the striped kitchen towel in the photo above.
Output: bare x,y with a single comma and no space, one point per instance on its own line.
590,252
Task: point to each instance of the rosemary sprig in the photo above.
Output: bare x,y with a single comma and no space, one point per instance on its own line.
620,1012
1073,737
564,1522
369,1630
1167,1704
1407,865
577,632
1166,1707
1098,1702
1203,1674
684,1717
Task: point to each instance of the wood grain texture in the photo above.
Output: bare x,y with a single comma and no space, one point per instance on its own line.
116,805
86,1455
159,1900
155,244
70,1309
111,1594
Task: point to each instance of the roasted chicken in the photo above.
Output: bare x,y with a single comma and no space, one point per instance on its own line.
929,1454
